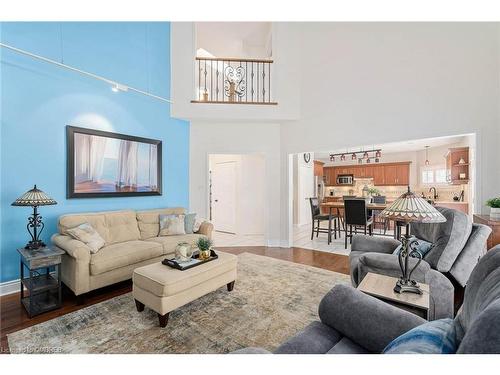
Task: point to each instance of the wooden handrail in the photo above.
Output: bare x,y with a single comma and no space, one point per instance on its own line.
234,59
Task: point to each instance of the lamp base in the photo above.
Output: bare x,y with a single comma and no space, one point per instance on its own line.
35,245
409,286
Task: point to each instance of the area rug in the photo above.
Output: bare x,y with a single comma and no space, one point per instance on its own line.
271,301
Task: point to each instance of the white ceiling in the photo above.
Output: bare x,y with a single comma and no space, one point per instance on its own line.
225,39
406,146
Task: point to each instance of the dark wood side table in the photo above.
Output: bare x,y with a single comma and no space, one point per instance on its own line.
494,224
43,286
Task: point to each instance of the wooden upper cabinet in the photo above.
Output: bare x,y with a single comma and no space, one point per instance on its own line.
403,174
318,168
382,174
377,172
328,175
390,175
359,172
397,174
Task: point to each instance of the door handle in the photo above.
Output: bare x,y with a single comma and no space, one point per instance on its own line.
216,200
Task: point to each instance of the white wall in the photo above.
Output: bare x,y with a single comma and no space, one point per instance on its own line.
303,188
235,138
371,83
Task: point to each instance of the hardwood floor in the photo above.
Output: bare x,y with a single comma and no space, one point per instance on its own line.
14,317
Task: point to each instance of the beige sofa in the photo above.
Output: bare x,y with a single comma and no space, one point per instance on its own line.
131,241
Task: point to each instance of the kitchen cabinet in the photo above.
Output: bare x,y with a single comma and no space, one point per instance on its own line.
383,174
328,173
377,172
318,168
457,172
390,175
402,174
360,172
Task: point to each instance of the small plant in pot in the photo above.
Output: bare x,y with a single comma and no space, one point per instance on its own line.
205,246
494,204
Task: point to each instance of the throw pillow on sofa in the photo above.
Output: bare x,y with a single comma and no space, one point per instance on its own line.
197,224
88,235
423,247
172,225
436,337
189,221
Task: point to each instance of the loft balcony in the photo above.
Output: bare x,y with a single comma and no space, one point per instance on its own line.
233,81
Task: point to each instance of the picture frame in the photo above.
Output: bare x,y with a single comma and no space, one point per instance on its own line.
103,164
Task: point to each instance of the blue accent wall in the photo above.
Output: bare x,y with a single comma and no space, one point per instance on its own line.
38,100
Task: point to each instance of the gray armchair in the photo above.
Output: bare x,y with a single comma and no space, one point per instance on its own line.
354,323
458,245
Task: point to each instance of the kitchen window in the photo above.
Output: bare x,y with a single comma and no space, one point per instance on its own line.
433,175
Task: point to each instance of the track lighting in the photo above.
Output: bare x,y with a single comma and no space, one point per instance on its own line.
118,87
342,158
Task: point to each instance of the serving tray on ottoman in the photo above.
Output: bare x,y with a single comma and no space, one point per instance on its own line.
164,289
195,261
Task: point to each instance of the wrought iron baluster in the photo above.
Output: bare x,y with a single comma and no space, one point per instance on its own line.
258,80
211,79
199,79
269,82
246,78
252,80
205,79
263,83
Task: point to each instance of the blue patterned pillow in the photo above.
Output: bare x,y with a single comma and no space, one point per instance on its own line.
189,220
423,247
436,337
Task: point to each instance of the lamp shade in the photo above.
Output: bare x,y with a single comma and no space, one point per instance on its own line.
34,197
412,208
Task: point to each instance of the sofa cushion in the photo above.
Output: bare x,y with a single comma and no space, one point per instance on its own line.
123,254
170,242
122,226
449,238
315,338
346,346
163,281
96,220
149,220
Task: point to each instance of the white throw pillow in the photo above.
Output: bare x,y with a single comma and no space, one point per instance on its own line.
88,235
172,225
197,224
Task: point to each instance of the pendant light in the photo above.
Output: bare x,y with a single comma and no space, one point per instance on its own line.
427,162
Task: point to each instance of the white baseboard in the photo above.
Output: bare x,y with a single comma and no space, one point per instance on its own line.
9,287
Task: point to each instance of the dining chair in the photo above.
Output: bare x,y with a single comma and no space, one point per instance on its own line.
317,218
379,199
356,215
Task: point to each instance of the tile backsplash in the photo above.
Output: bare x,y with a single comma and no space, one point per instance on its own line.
445,192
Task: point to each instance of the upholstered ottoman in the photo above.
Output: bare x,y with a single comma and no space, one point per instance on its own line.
164,289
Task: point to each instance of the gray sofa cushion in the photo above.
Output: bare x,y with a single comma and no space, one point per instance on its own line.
448,238
482,289
316,338
346,346
473,250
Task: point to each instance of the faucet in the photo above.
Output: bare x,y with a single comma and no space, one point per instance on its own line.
435,196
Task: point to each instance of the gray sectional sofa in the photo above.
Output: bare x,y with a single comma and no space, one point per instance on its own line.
354,323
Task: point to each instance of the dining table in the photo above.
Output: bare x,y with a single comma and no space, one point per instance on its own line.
338,206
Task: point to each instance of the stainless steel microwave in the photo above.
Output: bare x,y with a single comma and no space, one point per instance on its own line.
345,179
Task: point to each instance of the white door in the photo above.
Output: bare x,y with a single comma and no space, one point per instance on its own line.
224,196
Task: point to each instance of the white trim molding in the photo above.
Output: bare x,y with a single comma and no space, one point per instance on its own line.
9,287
